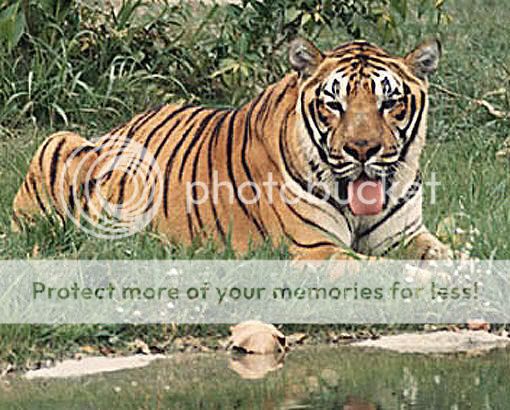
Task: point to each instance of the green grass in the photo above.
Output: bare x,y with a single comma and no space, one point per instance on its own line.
461,150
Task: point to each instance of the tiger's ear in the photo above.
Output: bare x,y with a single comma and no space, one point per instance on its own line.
304,57
424,59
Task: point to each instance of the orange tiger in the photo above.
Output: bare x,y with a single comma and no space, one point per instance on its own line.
325,160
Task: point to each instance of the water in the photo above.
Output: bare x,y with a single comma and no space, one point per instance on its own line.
314,377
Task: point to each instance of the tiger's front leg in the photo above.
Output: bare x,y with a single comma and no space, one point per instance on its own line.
427,246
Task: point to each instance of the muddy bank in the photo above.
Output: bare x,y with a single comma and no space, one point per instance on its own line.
440,342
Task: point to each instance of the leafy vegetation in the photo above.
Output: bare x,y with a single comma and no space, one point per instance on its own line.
66,63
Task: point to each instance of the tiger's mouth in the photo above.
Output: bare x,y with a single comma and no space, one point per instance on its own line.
365,196
363,186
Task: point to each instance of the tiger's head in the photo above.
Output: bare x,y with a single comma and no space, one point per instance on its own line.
360,107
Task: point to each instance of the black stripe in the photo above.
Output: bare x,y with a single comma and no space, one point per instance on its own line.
26,186
401,234
70,200
214,137
401,115
309,221
297,178
313,114
244,162
277,166
140,122
399,242
295,241
347,60
150,203
412,108
328,93
264,109
16,220
165,139
280,96
82,150
153,132
167,119
85,203
43,150
196,162
142,115
230,169
53,166
374,61
387,154
168,167
196,137
37,197
415,130
277,101
124,143
309,129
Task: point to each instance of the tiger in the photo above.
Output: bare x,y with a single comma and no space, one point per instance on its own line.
341,134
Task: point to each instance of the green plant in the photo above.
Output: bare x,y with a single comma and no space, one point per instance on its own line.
12,23
64,61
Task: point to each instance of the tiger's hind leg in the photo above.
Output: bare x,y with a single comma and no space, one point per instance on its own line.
60,162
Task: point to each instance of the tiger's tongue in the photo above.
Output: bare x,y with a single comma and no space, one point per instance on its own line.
365,196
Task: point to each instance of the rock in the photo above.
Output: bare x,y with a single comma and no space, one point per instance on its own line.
257,337
92,365
438,342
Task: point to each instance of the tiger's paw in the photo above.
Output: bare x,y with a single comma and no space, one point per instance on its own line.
437,251
427,247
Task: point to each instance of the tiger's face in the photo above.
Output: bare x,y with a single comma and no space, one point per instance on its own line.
360,107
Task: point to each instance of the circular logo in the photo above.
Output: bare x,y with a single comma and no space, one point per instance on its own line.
110,191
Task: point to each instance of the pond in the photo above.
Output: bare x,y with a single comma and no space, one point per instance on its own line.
310,377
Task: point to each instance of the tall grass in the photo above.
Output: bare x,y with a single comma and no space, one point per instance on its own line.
67,63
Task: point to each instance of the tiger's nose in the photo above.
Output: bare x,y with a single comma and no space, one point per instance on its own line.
362,150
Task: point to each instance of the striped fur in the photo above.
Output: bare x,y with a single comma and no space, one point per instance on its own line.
295,130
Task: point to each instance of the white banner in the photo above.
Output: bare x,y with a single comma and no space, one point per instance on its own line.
388,292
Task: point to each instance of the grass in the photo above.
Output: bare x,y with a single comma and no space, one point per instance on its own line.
463,140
